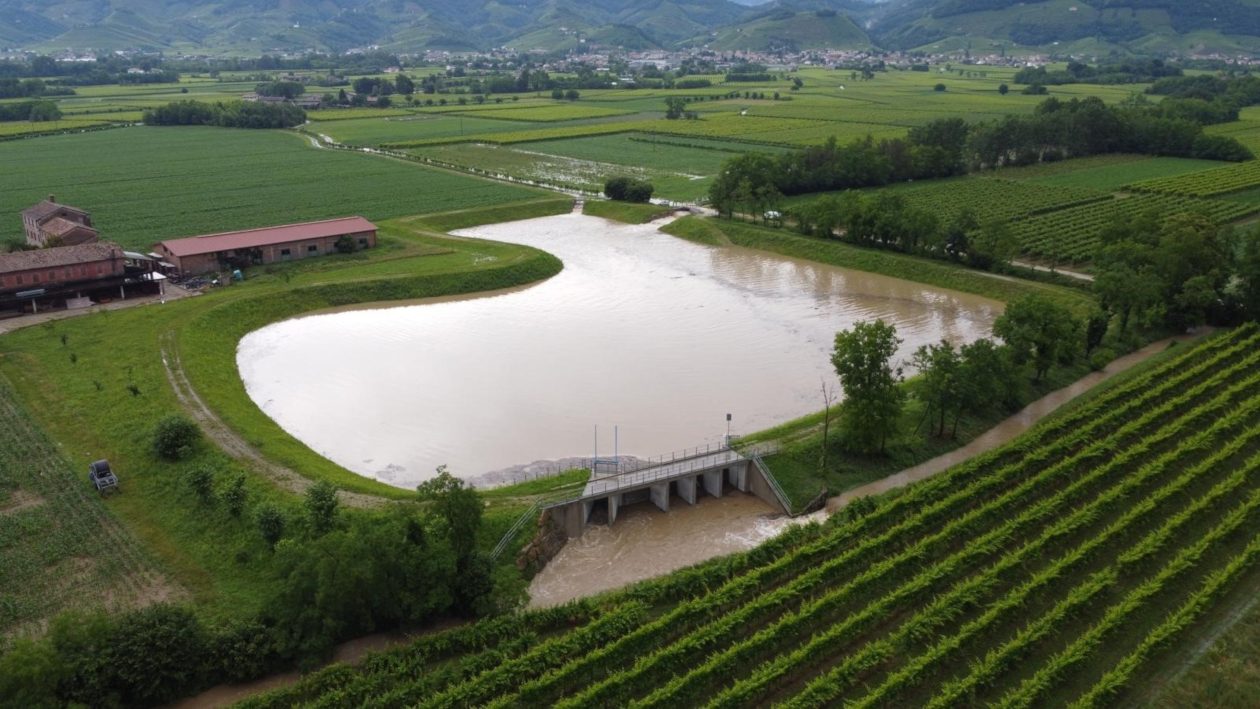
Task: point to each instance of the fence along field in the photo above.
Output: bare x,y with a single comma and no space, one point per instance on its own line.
1053,570
59,547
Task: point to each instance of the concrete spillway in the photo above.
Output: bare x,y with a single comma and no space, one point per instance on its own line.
709,472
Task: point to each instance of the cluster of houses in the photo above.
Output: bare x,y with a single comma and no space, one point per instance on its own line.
65,265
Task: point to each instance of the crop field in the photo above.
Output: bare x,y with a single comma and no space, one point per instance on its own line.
1115,177
1208,183
1059,569
987,198
350,114
21,129
522,162
416,128
652,151
147,184
548,114
1073,233
60,548
789,132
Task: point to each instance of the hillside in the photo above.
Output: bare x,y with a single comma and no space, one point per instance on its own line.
1070,25
261,25
256,26
785,29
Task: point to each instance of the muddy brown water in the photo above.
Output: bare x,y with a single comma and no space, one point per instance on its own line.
653,334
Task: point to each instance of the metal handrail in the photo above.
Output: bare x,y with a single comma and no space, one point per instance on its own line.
515,529
774,483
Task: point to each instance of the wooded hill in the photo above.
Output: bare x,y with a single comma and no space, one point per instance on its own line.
255,26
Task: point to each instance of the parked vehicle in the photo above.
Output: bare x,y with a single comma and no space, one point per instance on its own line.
100,475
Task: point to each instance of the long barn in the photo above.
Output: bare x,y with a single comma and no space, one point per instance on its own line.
213,252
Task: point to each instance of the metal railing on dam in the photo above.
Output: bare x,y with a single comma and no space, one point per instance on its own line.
636,474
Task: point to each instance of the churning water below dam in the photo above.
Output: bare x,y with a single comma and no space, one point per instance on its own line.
656,335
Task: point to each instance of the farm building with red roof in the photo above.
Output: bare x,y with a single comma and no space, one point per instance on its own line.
213,252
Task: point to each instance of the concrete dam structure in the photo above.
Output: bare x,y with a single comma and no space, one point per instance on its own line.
707,472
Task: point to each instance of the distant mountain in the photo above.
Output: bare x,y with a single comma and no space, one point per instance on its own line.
255,26
1072,25
258,25
790,30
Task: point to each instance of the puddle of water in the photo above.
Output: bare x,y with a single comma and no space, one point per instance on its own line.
656,335
646,542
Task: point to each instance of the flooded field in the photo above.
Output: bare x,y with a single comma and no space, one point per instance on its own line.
654,334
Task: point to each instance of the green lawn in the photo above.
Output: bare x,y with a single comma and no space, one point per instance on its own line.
147,184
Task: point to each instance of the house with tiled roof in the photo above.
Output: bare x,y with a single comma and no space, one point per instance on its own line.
290,242
62,266
52,223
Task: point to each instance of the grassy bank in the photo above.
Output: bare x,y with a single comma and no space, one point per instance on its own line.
78,389
936,273
624,211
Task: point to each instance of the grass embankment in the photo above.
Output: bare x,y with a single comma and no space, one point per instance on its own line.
935,273
625,211
798,465
78,392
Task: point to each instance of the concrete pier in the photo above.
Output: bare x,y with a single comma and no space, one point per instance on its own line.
712,471
660,496
686,489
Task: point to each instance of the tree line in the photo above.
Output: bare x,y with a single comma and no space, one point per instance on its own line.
1177,271
1033,335
231,114
1138,71
1056,130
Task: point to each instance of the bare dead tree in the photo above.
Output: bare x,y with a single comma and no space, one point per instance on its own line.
829,398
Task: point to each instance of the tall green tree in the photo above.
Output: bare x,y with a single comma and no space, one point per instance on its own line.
873,400
675,106
459,506
939,386
1039,331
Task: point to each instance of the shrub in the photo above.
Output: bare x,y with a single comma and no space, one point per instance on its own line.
321,507
345,244
174,437
201,480
234,496
156,654
271,524
628,189
939,87
1101,359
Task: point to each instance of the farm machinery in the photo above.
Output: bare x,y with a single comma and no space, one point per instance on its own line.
100,475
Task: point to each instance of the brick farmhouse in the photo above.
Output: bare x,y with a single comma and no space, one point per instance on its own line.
214,252
50,223
84,264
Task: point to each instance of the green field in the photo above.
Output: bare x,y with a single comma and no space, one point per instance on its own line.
1114,177
1205,183
1063,567
986,198
60,547
1073,233
143,184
